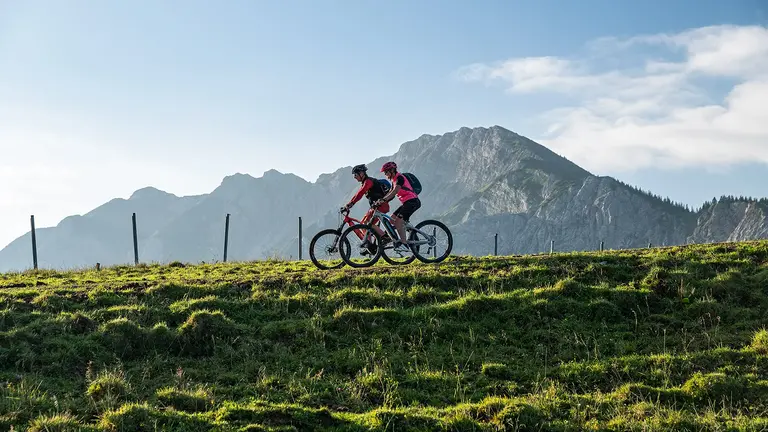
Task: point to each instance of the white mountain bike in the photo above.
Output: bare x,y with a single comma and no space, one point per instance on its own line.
366,243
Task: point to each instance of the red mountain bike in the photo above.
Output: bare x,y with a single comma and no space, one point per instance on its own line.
333,246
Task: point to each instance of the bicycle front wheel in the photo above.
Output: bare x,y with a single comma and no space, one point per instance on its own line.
427,238
325,249
364,246
402,255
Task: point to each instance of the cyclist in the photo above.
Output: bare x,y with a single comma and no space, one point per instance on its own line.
374,191
410,201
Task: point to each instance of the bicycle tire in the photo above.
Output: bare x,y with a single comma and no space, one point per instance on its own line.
423,258
312,244
384,254
393,262
346,256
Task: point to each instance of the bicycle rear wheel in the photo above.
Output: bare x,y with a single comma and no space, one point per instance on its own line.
355,237
427,251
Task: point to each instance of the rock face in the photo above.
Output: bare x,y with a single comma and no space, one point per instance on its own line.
731,219
577,215
478,181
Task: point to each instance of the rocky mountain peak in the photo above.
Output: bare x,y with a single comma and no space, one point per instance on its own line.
480,181
151,193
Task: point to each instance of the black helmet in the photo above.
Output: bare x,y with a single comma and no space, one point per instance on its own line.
359,168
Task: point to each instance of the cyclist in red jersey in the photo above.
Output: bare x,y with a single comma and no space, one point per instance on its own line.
401,188
374,191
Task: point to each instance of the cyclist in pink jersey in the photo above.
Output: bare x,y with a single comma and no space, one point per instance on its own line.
410,201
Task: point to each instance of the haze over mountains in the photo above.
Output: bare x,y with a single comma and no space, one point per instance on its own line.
479,181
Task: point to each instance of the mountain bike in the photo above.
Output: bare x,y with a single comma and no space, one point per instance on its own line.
369,237
335,246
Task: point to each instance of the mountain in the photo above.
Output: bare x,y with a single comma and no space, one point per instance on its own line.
102,235
731,219
479,181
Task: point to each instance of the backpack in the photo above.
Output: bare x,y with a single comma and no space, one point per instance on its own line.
379,189
385,185
415,183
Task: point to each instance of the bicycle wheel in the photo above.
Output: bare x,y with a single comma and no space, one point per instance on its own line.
401,256
354,236
429,234
330,247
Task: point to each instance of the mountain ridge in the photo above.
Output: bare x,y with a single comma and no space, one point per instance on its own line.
480,181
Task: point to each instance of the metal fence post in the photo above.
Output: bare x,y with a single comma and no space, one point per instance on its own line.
226,236
496,244
135,241
34,241
299,238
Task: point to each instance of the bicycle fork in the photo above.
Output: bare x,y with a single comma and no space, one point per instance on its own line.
390,229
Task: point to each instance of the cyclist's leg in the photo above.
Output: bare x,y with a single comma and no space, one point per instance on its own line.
375,223
367,242
384,208
367,216
403,214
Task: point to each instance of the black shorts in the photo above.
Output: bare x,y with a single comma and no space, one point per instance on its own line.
406,210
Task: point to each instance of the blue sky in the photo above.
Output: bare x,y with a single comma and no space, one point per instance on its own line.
114,96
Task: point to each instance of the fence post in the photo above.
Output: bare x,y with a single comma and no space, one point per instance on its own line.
135,241
649,245
226,236
496,244
34,241
551,247
601,245
299,238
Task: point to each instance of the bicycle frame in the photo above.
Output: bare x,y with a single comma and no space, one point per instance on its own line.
352,221
348,220
389,226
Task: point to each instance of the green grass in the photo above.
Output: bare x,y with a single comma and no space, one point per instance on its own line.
648,339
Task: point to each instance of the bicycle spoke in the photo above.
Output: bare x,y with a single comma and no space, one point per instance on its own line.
434,241
325,249
397,256
363,248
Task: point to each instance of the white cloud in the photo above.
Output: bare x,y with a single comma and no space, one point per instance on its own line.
658,113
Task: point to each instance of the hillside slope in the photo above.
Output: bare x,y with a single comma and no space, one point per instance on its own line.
648,339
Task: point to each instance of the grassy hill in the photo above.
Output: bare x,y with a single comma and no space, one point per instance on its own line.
649,339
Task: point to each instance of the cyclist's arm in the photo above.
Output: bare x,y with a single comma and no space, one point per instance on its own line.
359,195
391,195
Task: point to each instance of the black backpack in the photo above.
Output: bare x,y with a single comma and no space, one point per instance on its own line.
379,189
415,183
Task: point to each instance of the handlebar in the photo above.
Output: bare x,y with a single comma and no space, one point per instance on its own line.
343,210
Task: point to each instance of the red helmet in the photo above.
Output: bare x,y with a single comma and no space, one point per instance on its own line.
389,166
